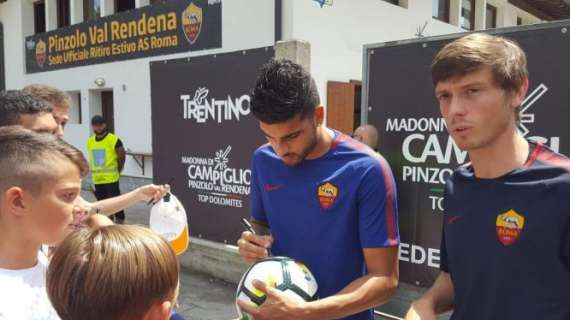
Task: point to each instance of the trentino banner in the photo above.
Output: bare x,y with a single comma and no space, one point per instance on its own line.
203,136
414,137
171,27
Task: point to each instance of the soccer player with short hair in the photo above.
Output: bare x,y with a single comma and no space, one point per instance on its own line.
329,201
505,250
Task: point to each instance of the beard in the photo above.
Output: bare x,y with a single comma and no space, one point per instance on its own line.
100,132
293,159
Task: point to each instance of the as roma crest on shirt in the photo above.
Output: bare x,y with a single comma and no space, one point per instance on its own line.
192,22
41,53
509,227
327,195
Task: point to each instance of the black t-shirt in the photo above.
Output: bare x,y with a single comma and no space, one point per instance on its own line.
119,143
506,241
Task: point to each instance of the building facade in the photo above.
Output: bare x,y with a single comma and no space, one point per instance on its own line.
336,30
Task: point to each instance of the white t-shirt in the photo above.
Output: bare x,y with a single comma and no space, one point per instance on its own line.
23,294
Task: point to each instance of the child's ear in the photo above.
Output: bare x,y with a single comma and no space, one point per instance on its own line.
15,200
159,311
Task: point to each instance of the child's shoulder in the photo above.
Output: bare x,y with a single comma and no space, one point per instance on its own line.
23,294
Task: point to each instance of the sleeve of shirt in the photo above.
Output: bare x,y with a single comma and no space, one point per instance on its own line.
119,144
256,204
377,207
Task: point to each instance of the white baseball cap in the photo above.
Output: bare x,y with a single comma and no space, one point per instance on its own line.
168,218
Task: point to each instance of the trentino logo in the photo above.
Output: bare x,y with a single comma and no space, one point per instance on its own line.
201,109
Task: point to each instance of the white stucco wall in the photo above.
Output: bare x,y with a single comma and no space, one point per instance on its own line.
11,18
337,34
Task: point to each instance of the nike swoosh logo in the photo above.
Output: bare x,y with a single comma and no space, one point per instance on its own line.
272,187
452,219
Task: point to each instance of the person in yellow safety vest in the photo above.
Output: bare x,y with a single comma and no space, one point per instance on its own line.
106,157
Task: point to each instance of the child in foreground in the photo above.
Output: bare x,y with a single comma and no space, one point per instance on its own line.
113,272
40,180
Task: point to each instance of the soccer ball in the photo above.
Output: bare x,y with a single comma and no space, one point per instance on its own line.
285,274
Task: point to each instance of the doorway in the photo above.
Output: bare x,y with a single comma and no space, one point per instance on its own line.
108,109
101,103
343,105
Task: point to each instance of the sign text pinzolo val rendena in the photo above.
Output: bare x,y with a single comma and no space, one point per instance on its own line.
152,30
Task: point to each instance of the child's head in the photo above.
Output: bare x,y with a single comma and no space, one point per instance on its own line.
40,179
113,272
59,101
19,108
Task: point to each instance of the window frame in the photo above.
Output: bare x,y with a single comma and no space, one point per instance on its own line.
63,13
397,2
117,6
471,15
446,11
493,10
87,10
39,27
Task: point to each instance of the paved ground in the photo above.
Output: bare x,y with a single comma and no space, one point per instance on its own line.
205,298
201,297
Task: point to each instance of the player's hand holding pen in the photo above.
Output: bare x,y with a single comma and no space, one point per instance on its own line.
252,245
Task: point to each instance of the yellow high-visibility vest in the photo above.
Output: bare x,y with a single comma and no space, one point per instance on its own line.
103,159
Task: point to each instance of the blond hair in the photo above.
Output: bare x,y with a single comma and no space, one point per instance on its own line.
112,272
51,95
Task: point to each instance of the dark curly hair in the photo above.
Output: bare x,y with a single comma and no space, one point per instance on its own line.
15,103
283,91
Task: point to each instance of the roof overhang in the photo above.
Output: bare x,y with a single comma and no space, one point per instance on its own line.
545,9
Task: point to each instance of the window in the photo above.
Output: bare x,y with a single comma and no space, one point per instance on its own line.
75,109
39,17
62,13
491,17
91,9
399,3
440,10
124,5
519,21
467,20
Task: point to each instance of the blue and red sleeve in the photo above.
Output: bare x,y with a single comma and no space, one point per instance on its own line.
377,207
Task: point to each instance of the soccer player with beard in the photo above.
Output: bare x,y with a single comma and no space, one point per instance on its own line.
329,201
